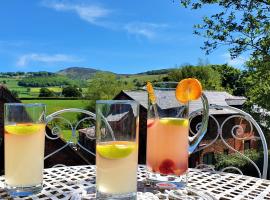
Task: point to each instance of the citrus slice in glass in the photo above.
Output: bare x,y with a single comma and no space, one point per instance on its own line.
174,121
115,149
188,89
24,129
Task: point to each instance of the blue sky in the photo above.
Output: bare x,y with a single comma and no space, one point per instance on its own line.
115,35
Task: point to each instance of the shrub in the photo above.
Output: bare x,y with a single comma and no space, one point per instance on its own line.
236,159
45,92
71,91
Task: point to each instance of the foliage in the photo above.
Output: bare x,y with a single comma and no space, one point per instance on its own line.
24,74
258,84
259,87
209,78
157,72
106,86
10,74
71,91
139,80
45,81
45,92
232,79
244,27
40,74
241,25
235,159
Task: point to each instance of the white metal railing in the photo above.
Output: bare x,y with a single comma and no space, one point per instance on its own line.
56,130
253,125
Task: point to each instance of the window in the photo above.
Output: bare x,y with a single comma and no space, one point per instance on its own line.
247,144
208,158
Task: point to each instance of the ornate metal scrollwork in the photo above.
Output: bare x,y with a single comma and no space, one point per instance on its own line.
56,131
238,132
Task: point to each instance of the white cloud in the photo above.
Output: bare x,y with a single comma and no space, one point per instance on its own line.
236,62
148,30
24,60
89,13
101,16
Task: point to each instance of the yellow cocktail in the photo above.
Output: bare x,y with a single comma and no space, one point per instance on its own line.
24,142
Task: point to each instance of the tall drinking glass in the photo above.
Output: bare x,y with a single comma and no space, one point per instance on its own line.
24,148
117,125
168,141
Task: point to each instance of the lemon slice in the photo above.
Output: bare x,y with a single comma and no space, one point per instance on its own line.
116,149
174,121
24,129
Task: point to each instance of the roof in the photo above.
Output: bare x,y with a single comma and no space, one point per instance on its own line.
169,101
7,95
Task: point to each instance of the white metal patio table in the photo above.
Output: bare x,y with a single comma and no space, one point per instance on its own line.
72,183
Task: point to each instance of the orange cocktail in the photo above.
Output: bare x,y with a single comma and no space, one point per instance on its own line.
168,142
167,146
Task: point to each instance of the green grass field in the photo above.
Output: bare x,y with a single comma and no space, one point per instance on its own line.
55,105
24,92
12,84
54,89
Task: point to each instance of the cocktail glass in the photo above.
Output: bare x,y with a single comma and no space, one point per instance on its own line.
116,149
168,141
24,143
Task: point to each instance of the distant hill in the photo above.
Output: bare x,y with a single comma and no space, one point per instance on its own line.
78,72
84,73
158,71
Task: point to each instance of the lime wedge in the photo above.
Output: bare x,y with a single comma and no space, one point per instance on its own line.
24,129
174,121
116,149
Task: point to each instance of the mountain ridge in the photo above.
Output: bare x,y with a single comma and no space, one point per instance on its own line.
88,72
75,72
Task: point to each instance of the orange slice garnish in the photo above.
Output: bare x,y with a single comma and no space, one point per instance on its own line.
188,89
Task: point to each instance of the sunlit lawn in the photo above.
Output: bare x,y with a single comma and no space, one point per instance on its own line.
54,89
56,105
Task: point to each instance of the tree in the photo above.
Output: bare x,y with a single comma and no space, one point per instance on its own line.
232,79
105,86
71,91
241,25
259,90
45,92
209,78
45,81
